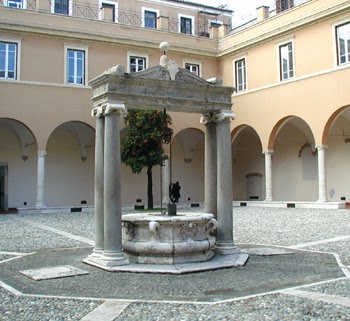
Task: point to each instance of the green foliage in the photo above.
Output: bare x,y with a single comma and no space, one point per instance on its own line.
142,144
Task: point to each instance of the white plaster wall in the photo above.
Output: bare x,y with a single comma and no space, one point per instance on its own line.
247,158
69,180
338,162
288,180
21,175
189,175
134,186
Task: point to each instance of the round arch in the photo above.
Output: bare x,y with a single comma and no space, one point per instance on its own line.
342,111
296,122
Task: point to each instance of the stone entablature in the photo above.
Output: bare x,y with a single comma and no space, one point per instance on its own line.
153,88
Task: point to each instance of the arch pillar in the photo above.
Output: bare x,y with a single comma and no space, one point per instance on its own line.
268,175
40,194
322,176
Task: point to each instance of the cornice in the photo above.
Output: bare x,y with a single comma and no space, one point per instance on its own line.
33,23
284,28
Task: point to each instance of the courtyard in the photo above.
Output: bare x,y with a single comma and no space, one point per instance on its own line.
306,279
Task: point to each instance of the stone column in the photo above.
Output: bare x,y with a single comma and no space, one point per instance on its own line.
268,175
99,181
113,253
225,244
40,179
165,182
210,166
322,177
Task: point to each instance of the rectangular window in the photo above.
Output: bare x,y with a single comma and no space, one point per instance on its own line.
240,74
16,4
286,61
150,19
108,11
137,63
192,68
343,43
186,25
61,7
282,5
76,67
8,60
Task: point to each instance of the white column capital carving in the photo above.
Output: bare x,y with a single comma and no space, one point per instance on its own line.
97,112
41,153
224,115
207,118
116,108
321,147
268,151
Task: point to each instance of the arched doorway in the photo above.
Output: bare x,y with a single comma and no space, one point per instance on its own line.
187,164
70,165
294,161
248,164
17,164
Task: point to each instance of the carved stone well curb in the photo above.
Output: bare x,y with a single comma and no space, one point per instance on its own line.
161,239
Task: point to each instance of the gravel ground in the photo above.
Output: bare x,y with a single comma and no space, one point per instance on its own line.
340,288
274,307
272,226
15,308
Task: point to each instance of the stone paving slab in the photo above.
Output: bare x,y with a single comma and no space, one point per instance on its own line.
260,274
53,272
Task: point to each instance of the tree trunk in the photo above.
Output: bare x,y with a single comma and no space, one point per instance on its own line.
149,188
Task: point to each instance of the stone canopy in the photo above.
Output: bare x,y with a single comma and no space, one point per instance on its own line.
169,87
158,88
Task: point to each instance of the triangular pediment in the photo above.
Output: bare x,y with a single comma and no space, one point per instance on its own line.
160,73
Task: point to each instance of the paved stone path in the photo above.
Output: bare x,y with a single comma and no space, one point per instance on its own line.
306,285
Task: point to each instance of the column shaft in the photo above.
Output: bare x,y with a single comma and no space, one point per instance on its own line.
40,179
268,175
225,244
99,182
165,182
113,254
210,175
322,177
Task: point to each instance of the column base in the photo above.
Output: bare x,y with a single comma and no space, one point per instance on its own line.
322,200
226,248
107,261
40,206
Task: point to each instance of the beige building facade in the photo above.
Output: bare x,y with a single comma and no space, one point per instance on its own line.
290,66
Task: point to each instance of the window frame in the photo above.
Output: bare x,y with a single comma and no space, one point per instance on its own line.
180,16
18,43
137,55
72,47
337,45
111,3
280,63
236,79
70,8
23,4
193,63
155,11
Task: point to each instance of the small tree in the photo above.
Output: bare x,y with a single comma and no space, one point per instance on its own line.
142,143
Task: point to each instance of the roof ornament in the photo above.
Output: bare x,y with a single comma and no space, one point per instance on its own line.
167,63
